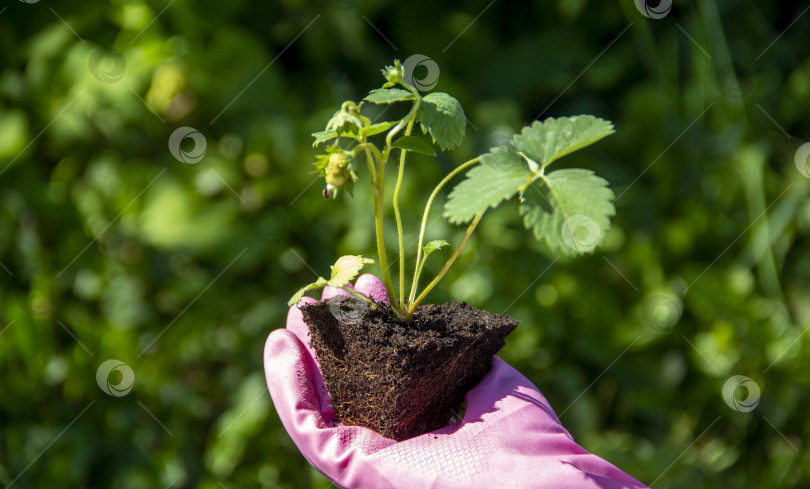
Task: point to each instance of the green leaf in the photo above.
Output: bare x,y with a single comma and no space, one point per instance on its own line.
323,136
321,282
435,245
569,209
553,138
389,95
346,120
414,143
428,249
346,269
501,174
377,128
442,116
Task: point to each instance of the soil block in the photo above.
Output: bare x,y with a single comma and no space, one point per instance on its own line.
399,379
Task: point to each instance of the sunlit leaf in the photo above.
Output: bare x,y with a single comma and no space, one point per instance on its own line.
346,269
442,116
569,209
388,95
499,177
414,143
553,138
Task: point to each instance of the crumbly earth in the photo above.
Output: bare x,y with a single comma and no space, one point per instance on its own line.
400,379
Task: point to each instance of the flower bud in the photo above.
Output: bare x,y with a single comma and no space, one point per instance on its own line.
337,170
394,73
347,120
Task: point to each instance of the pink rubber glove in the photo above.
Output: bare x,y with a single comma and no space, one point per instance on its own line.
509,437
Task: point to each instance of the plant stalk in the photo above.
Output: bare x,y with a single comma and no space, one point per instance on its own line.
447,266
398,218
435,192
410,118
371,169
366,299
377,186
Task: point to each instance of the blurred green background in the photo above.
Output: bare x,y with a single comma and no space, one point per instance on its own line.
112,248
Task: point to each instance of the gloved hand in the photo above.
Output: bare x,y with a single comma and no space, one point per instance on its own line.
509,436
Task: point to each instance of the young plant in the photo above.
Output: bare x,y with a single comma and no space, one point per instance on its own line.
556,205
343,271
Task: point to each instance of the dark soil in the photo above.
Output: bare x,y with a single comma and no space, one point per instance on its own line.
400,379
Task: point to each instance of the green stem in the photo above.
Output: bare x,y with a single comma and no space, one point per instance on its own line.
359,296
436,190
447,266
398,218
366,146
407,120
377,186
371,169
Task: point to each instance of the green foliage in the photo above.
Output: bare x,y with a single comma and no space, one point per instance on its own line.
345,269
435,245
559,206
442,116
553,138
429,248
502,173
566,203
373,129
389,95
500,176
320,283
704,273
415,144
